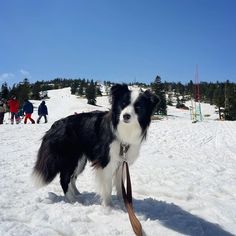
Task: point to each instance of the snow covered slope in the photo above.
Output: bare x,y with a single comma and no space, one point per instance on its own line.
184,182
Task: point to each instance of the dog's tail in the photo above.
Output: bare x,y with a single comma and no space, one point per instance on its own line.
46,166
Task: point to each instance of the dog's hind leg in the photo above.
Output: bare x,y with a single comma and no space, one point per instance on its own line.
72,185
65,178
68,177
79,169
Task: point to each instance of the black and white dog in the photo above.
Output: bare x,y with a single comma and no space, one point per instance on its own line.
98,137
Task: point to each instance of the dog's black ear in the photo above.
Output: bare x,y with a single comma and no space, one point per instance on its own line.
118,90
154,99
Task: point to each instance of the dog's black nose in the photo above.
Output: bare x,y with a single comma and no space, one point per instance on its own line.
126,117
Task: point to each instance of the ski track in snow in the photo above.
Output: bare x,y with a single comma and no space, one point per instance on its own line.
184,182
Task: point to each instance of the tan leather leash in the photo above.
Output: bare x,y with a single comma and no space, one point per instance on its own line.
127,196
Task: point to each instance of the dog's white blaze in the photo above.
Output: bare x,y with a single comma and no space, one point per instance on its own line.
134,96
130,132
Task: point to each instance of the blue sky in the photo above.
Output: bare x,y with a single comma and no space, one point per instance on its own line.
117,40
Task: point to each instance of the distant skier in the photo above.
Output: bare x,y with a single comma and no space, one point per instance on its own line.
42,111
2,111
13,106
28,109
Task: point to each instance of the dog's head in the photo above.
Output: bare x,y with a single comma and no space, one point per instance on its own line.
131,111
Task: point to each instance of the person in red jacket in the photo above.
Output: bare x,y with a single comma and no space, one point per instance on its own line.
13,107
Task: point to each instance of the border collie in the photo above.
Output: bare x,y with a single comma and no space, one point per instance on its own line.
98,137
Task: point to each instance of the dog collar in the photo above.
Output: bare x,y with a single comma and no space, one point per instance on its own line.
123,150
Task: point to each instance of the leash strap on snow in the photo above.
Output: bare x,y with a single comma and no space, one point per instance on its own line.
127,196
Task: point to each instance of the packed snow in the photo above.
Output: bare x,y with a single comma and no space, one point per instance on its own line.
184,182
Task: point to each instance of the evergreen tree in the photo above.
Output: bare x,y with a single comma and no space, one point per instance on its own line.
210,93
82,87
91,93
36,89
219,97
180,89
5,91
189,88
98,90
178,104
74,84
73,88
230,101
157,88
22,91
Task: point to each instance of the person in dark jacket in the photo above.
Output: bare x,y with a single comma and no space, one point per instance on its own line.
28,109
42,111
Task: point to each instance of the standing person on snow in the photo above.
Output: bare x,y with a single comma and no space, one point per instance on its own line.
13,106
28,109
42,111
2,111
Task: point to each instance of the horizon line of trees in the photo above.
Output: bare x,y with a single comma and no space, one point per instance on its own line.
220,94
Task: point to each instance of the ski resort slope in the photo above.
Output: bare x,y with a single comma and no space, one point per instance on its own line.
184,182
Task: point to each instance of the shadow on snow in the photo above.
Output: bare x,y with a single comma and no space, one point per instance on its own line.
175,218
168,214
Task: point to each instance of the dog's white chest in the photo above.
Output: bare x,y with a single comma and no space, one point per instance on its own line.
115,153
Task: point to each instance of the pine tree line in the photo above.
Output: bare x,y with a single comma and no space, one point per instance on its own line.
25,90
220,94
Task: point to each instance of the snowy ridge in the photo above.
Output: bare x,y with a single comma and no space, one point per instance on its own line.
184,182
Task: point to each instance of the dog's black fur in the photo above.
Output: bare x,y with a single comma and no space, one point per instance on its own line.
95,136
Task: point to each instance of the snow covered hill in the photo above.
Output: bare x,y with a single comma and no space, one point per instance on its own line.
184,182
